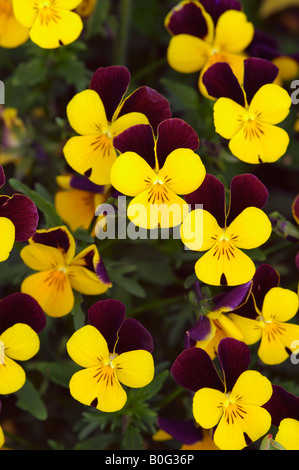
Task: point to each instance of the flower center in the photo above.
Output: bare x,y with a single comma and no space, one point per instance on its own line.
224,245
232,410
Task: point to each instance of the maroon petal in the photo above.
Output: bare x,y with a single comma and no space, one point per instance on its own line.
133,336
84,184
211,194
101,272
23,214
216,8
246,191
111,83
257,72
263,46
147,101
233,298
174,134
199,331
107,316
234,357
57,238
187,18
297,260
138,139
193,369
186,432
281,405
220,82
21,308
265,278
2,177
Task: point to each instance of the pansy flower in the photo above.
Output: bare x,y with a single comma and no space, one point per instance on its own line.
18,219
211,328
265,317
101,113
113,351
12,32
288,434
204,33
21,320
14,135
295,212
188,433
247,115
224,232
154,170
78,200
51,252
51,23
231,403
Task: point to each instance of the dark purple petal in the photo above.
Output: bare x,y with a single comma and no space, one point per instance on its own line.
211,194
174,134
138,139
246,191
23,214
200,330
265,278
234,357
111,83
193,369
107,316
57,238
257,72
133,336
216,8
21,308
263,46
2,177
187,18
84,184
282,404
102,274
185,432
147,101
297,260
220,82
233,298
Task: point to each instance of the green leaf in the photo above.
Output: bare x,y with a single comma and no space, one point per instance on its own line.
28,399
58,372
153,388
132,439
45,206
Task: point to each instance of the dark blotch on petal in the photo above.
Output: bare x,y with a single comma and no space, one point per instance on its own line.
57,238
94,403
101,272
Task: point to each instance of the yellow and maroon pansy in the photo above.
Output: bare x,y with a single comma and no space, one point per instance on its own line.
18,219
51,23
113,351
231,403
207,32
78,199
247,113
155,170
12,32
265,317
21,320
101,113
224,231
51,252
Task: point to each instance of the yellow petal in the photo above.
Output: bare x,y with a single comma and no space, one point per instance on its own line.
183,171
52,290
251,329
55,28
200,230
85,281
76,208
86,113
2,438
7,229
105,394
207,407
92,156
131,174
12,32
277,341
280,304
250,229
228,117
259,143
288,434
12,377
271,104
233,32
42,257
135,368
25,11
252,388
21,342
86,346
127,120
187,54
